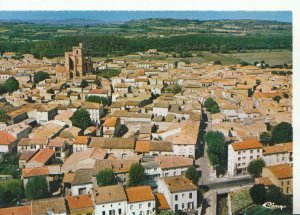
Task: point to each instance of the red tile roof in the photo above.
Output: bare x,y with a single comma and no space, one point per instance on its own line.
78,202
20,210
246,144
6,138
139,194
42,156
39,171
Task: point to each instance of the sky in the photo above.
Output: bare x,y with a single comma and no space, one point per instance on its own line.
123,16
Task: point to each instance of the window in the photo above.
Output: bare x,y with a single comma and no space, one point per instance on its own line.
120,211
111,212
288,182
191,195
282,183
131,207
103,212
149,205
251,151
239,152
140,206
176,197
182,206
251,157
239,158
182,195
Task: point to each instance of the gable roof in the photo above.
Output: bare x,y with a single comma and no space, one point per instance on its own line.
108,194
179,184
78,202
139,194
42,206
247,144
19,210
83,176
6,138
168,162
42,156
279,148
282,171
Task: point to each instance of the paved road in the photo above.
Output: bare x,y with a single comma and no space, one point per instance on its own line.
230,182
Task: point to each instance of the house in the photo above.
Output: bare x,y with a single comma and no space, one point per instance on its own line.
281,176
8,143
240,154
32,144
53,206
41,158
180,193
83,159
120,147
60,146
25,157
140,200
95,110
110,200
81,204
99,93
153,148
122,88
111,127
278,154
81,143
82,183
120,168
19,130
46,113
161,109
173,165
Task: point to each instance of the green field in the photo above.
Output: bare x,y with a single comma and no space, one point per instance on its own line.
271,57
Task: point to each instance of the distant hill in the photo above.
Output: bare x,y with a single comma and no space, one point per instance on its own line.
79,22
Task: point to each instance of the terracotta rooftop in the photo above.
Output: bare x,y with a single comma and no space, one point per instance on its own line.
109,194
279,148
82,140
78,202
6,138
98,91
179,184
38,171
283,171
263,180
162,203
56,205
19,210
42,156
83,176
139,194
247,144
69,177
33,141
169,162
110,122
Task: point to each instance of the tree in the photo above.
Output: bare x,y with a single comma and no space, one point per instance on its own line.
11,191
217,62
11,84
255,167
40,76
274,194
4,117
84,84
265,138
277,98
97,99
258,193
285,95
192,174
216,147
211,105
2,89
136,174
37,188
282,133
106,177
81,119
